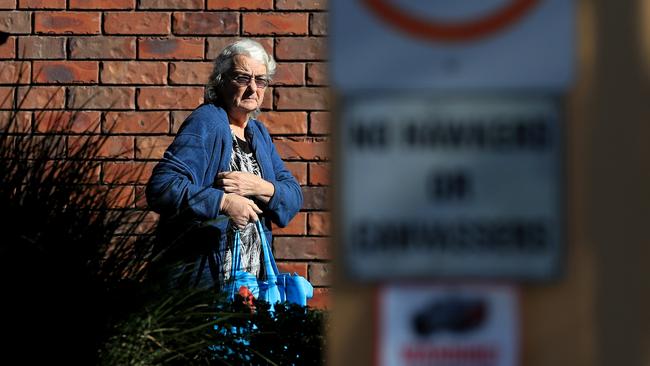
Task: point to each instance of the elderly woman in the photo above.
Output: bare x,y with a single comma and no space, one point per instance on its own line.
221,174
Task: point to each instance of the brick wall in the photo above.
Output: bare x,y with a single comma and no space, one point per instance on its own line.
135,69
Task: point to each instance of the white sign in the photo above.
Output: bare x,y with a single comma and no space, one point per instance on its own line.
448,326
449,187
451,44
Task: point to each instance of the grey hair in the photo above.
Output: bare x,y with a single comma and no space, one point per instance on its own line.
223,63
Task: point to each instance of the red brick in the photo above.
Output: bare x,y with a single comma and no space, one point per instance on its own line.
301,48
170,4
178,117
134,72
289,74
8,149
41,47
148,223
298,170
66,121
319,174
102,4
88,171
151,147
19,122
8,49
217,44
126,172
275,23
134,222
7,4
136,23
121,197
267,103
318,24
293,267
70,22
77,72
171,48
170,98
141,222
239,4
7,95
16,22
118,147
319,223
321,299
53,147
315,198
302,148
113,147
319,274
285,122
141,197
41,4
102,47
102,97
297,226
189,73
301,98
319,123
41,97
212,23
317,73
15,72
136,122
302,248
301,4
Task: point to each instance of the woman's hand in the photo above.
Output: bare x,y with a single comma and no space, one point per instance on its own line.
245,184
240,209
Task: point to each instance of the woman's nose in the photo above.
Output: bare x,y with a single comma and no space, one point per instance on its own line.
252,85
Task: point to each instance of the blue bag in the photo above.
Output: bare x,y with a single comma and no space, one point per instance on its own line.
277,287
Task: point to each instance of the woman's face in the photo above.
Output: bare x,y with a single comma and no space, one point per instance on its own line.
239,98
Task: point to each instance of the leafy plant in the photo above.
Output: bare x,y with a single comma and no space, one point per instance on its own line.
68,250
192,328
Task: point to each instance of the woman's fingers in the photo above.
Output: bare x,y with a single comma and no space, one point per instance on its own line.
225,182
238,208
252,216
232,186
255,208
241,210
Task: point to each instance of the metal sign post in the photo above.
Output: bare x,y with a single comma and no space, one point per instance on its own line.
450,158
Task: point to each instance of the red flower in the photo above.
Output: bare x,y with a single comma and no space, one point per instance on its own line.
248,298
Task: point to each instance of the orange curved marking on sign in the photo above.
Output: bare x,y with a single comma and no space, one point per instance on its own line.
448,31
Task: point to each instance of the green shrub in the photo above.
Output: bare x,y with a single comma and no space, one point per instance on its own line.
191,328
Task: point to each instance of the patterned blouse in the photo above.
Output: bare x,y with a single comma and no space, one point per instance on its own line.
243,160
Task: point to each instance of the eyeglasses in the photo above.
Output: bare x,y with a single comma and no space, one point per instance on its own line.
245,80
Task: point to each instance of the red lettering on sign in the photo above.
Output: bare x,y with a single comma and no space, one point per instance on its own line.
469,355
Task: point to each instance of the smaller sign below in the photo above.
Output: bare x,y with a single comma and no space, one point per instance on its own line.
447,325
